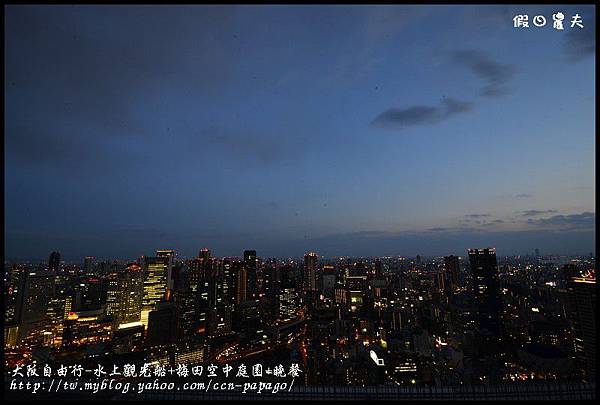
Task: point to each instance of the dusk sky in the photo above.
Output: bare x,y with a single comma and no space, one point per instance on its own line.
347,130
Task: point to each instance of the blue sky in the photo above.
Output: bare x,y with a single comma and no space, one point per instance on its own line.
364,130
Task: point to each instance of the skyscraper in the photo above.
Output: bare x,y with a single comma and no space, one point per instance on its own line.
452,268
162,324
204,254
88,262
170,256
241,287
54,262
193,302
125,292
155,283
486,289
582,292
250,264
311,261
378,268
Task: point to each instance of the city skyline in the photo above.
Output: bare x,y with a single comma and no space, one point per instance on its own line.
292,129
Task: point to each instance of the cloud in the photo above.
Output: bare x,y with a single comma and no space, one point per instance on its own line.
495,75
443,241
533,213
251,146
477,215
523,195
78,76
398,118
582,221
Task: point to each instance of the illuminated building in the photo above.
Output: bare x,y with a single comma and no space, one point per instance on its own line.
242,284
220,299
155,284
328,281
204,254
582,292
192,300
197,293
13,295
189,354
271,286
93,291
170,256
128,337
250,324
311,261
439,278
31,293
86,327
288,304
250,264
125,292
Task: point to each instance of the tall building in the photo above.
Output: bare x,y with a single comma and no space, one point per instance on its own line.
204,254
37,291
170,256
125,293
220,299
156,271
54,262
162,324
311,261
199,280
88,263
582,292
250,264
378,268
241,290
486,289
452,267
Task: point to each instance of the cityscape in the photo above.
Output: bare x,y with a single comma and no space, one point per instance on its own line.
474,319
300,202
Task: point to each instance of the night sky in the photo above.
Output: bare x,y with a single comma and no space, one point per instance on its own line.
356,130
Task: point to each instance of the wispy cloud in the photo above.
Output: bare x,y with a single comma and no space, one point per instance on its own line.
533,213
495,75
400,118
582,221
477,215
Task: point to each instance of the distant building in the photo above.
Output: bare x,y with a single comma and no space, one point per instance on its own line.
452,267
54,262
88,263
